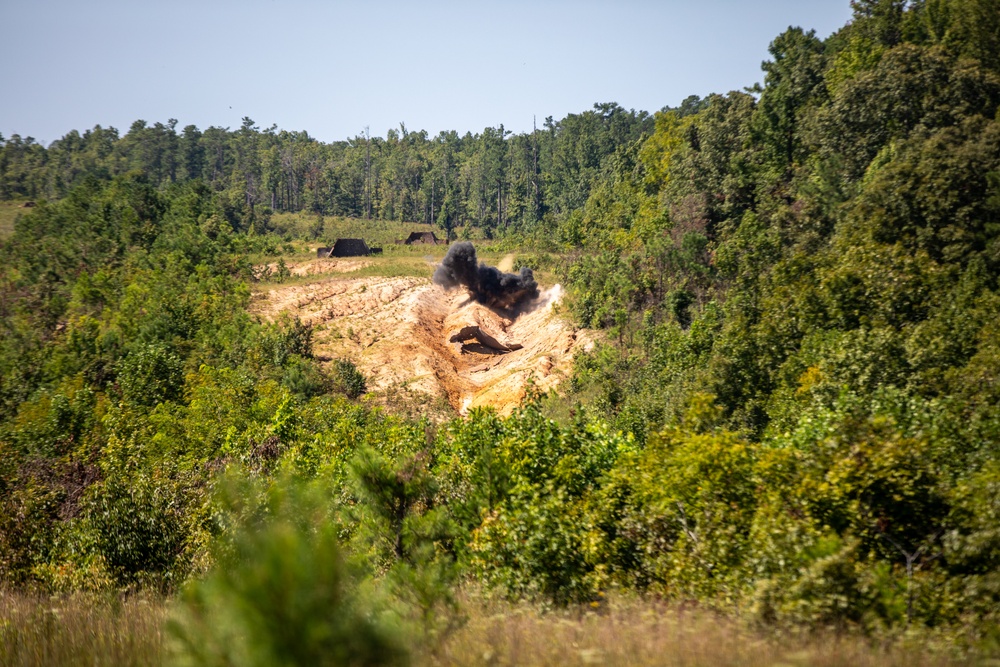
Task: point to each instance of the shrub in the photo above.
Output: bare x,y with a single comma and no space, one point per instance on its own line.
347,379
139,529
281,593
150,374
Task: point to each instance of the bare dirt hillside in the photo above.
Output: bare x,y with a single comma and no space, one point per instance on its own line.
410,338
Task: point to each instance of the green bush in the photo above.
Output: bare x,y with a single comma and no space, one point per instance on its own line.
139,528
347,379
536,540
281,592
149,375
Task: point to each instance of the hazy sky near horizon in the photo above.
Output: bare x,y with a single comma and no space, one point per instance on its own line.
332,68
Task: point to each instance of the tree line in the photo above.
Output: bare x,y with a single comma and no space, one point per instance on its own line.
493,180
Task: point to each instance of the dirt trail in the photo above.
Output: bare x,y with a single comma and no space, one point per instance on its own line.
397,331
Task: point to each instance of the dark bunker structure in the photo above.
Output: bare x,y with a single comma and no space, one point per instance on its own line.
427,238
348,248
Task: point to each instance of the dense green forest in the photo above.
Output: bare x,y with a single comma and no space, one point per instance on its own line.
492,180
795,415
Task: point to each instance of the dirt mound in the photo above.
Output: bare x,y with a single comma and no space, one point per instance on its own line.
407,335
315,267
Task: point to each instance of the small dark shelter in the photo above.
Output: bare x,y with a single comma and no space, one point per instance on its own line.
350,248
423,237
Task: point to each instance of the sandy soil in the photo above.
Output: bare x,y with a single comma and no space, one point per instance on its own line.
397,332
314,267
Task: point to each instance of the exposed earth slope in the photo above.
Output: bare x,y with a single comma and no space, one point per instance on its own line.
410,337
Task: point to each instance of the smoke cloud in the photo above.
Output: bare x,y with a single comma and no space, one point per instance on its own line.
486,284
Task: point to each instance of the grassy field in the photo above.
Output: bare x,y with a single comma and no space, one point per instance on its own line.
401,261
379,233
305,232
639,633
38,630
9,210
326,230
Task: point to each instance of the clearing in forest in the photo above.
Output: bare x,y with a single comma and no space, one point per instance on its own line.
9,211
417,344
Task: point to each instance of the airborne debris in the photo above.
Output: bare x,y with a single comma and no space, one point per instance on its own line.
486,284
477,333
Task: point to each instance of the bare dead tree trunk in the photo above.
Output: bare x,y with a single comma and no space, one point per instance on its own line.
534,169
368,175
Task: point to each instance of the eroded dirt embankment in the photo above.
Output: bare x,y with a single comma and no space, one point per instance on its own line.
313,267
407,335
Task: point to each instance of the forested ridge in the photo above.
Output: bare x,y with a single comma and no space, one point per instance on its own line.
794,415
494,180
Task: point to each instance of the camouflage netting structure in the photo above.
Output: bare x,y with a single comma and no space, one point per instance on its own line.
427,238
350,248
347,248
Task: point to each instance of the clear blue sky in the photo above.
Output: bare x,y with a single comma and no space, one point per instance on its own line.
331,68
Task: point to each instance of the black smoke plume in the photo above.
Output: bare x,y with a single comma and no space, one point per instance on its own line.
486,284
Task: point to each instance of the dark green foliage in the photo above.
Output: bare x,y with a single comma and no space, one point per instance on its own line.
793,82
282,593
534,540
29,510
934,196
475,477
150,375
490,180
838,308
403,533
139,529
910,87
304,379
686,503
393,495
347,378
129,369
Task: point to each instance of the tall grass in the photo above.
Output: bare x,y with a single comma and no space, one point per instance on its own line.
8,214
641,633
38,630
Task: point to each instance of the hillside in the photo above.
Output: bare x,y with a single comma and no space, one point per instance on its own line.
749,365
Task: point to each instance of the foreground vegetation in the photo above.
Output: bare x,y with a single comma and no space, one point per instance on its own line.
85,631
793,422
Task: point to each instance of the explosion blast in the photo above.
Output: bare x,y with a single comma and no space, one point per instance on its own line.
487,284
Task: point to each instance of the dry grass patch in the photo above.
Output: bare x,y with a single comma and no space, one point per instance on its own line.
38,630
9,210
635,634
